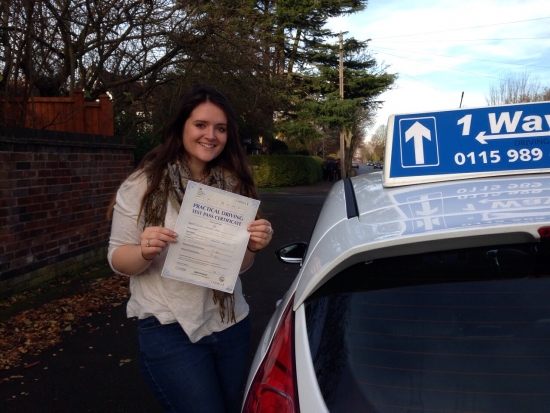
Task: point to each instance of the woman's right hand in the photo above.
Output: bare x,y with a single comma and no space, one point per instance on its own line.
154,240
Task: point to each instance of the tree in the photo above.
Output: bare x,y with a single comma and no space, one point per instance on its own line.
128,48
268,56
293,33
378,138
318,107
361,152
378,142
286,29
315,114
141,52
27,56
366,152
517,88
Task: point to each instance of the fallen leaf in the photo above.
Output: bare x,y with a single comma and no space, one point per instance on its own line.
37,329
124,361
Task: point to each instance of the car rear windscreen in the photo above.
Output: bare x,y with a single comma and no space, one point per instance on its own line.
457,331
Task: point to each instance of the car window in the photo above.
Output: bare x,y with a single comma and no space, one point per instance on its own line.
456,331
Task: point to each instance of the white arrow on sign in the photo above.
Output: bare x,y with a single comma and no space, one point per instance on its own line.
481,138
418,131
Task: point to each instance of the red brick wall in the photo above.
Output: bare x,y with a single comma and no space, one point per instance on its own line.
55,191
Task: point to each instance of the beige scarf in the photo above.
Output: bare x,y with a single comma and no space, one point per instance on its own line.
172,187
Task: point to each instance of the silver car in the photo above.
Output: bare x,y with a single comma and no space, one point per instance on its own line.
432,297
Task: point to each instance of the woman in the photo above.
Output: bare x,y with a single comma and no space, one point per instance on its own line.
194,341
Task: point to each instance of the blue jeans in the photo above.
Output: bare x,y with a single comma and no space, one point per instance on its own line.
207,376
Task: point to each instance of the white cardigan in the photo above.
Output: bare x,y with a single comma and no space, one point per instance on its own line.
153,295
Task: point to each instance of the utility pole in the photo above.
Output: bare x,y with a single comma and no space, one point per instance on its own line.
342,143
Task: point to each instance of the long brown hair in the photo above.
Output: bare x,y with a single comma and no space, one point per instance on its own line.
232,157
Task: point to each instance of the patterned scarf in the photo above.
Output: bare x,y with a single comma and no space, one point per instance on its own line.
172,188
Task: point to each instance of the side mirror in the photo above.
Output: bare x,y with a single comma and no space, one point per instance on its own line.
292,253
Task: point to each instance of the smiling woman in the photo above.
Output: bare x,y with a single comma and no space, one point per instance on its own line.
194,341
204,137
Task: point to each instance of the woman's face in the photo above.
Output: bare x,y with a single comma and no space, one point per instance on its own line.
204,135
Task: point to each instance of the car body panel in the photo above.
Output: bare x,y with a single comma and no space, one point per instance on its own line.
391,221
309,394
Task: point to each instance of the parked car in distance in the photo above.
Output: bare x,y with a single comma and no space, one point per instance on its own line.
378,165
355,165
429,296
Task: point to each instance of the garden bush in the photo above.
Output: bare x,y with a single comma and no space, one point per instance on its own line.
285,170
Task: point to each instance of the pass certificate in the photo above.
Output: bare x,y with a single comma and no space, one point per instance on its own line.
212,237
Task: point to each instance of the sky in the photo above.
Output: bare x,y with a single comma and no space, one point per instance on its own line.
449,53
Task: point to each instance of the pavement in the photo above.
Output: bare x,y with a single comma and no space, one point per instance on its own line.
95,369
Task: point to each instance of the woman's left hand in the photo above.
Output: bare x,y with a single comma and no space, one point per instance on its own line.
260,234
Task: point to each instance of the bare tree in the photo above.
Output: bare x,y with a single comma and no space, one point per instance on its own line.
367,152
145,52
378,141
517,88
26,55
142,52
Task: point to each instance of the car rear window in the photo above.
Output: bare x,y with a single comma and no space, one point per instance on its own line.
455,331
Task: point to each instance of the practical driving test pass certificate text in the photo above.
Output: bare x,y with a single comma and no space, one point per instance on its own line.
212,237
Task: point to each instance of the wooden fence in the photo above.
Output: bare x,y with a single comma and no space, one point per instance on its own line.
63,114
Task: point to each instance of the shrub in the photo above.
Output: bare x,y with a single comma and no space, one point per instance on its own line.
318,160
285,170
277,147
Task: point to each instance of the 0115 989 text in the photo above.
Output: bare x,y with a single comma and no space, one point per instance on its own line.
513,155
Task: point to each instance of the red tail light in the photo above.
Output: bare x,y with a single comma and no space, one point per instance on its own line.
273,389
544,233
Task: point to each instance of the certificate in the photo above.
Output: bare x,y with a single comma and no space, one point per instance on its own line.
212,237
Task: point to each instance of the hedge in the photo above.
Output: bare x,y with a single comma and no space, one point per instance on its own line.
285,170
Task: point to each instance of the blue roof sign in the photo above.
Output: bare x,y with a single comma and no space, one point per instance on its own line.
466,143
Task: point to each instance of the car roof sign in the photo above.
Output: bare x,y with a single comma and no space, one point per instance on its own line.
467,143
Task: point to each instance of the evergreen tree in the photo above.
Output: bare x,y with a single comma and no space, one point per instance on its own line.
318,108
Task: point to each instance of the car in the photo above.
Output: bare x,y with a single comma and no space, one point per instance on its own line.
355,165
378,165
419,292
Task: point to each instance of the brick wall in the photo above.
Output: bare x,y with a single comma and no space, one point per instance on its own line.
55,191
